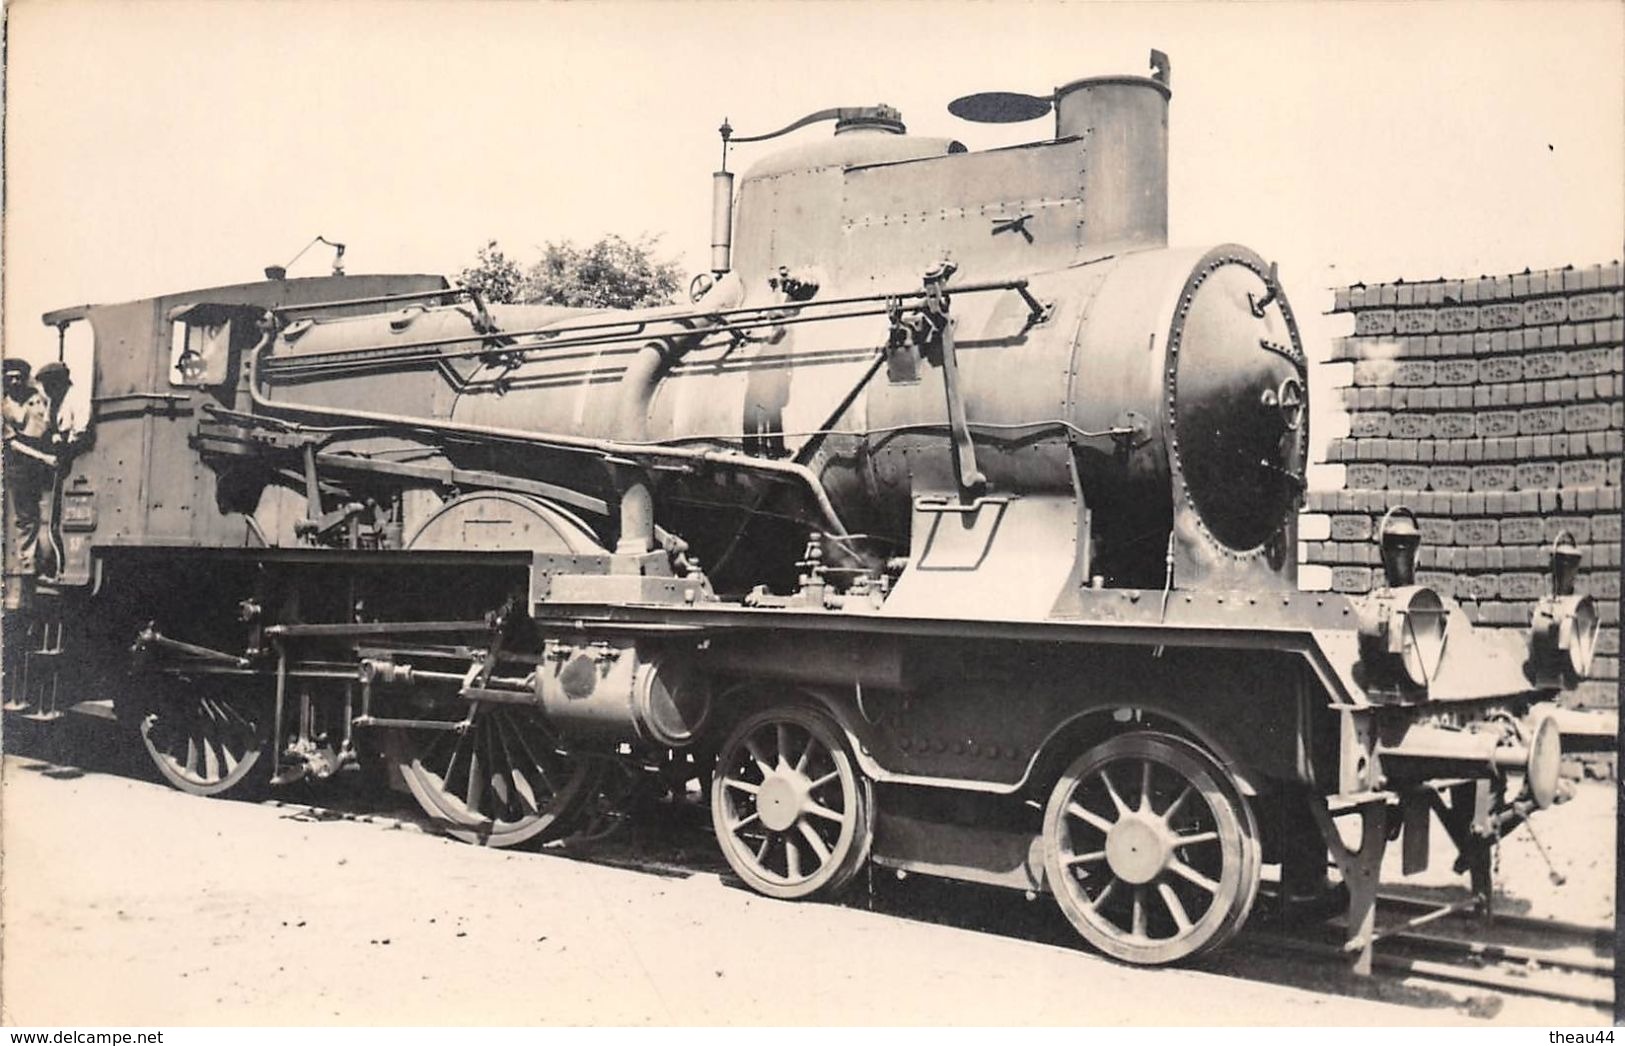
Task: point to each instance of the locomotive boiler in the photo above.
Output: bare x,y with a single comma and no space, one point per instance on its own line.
950,527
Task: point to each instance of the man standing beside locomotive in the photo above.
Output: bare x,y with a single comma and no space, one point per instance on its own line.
66,431
29,467
63,439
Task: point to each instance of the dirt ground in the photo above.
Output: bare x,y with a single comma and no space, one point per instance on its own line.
127,903
1577,837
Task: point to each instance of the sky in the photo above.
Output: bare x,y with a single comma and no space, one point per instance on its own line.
157,146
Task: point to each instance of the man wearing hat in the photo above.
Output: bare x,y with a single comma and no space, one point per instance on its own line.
63,440
29,468
17,373
67,431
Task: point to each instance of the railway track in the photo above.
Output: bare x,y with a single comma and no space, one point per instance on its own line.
1510,955
1507,954
1421,940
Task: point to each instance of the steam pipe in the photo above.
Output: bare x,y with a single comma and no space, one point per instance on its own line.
637,504
638,384
637,518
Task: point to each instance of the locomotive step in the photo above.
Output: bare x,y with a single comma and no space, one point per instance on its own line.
96,709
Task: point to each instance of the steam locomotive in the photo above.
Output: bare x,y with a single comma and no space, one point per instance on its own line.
950,528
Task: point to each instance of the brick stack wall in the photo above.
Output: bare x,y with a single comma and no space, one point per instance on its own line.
1492,407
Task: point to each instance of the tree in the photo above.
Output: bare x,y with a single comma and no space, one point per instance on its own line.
614,273
495,276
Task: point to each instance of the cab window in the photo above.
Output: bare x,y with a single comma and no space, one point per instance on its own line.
198,353
200,347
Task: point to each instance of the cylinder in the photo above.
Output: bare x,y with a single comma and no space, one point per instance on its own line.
722,221
1124,120
609,690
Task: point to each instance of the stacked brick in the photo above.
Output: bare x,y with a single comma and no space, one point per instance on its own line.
1491,407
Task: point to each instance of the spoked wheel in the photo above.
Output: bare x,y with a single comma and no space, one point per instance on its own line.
501,782
627,793
205,742
1150,849
618,793
793,814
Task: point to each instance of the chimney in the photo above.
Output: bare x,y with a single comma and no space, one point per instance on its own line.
1124,120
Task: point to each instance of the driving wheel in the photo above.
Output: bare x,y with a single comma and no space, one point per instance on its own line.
205,741
1150,849
500,781
793,814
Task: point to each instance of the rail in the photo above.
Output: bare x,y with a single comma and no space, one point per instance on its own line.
1563,961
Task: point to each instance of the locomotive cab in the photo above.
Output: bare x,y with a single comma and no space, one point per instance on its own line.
157,368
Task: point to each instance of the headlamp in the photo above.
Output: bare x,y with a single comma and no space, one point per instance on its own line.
1402,635
1402,626
1563,626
